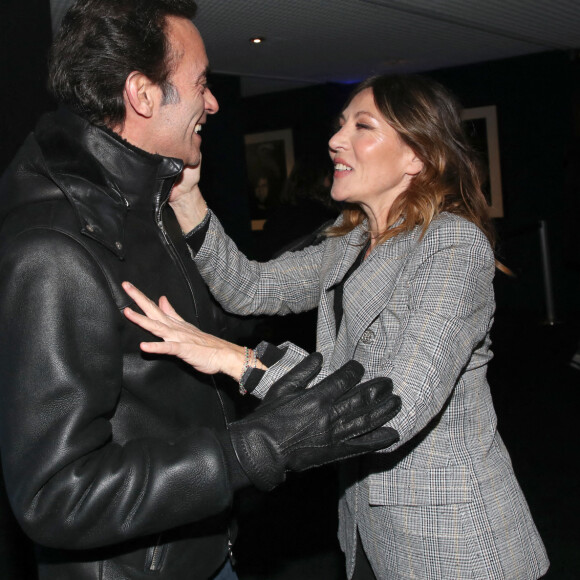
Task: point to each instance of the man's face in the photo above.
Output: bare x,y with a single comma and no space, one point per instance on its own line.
181,116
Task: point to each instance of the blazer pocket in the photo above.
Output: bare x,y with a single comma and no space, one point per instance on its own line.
442,486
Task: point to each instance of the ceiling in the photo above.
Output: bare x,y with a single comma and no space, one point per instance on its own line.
317,41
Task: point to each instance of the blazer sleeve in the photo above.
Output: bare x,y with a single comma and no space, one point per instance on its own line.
69,483
285,357
444,334
290,283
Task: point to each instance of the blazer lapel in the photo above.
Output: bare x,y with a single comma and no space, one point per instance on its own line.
368,291
341,255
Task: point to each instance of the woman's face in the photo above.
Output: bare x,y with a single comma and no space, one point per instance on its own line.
372,165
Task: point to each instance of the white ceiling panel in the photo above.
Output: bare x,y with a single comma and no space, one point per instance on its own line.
316,41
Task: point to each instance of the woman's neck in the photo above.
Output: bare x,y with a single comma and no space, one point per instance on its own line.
377,224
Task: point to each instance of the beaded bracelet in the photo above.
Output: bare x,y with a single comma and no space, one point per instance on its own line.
249,362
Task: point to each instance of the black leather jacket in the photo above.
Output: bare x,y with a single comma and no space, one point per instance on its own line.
111,458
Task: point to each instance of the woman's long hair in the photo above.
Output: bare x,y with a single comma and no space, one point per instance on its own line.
426,117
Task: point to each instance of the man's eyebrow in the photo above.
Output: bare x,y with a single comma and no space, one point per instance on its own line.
204,73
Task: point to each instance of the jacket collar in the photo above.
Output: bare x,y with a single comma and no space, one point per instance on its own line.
103,176
349,247
370,286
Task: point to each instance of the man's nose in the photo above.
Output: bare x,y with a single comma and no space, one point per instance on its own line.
211,104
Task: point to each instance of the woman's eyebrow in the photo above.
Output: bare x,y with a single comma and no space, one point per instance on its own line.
360,113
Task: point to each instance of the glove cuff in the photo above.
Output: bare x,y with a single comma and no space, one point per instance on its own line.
257,456
237,476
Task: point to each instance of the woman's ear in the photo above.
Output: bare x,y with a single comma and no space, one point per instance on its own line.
141,94
415,165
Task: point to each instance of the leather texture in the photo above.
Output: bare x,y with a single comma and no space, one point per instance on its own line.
111,458
302,428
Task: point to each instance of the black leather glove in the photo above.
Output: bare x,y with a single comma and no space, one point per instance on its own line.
297,428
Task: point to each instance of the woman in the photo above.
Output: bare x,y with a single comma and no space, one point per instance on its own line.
403,284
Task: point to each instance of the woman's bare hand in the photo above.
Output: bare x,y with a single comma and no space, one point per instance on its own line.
186,199
206,353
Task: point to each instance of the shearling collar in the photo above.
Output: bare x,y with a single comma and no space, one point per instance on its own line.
102,175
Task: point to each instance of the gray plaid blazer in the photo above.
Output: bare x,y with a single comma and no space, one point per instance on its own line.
444,502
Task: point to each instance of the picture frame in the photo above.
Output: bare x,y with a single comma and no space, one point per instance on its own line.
481,127
269,161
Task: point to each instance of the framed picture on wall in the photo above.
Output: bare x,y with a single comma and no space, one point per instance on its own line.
481,127
269,160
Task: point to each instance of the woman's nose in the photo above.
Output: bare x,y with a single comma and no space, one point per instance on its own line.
337,141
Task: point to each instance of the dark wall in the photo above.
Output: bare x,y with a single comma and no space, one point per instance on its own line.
309,112
537,101
224,170
25,35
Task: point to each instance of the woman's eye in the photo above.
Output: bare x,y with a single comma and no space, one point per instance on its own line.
362,126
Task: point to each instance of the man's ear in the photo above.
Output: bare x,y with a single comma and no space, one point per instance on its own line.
141,94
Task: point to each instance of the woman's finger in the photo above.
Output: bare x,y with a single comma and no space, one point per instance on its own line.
167,309
171,330
147,306
153,326
173,348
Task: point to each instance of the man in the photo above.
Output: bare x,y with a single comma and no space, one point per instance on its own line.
117,464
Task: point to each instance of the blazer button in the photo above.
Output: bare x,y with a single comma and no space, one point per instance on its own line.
367,336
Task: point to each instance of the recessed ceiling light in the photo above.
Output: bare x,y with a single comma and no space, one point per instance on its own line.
257,39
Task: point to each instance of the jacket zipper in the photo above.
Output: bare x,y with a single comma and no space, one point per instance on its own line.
231,556
175,254
158,218
230,550
156,556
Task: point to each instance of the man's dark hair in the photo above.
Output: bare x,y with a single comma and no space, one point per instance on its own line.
100,42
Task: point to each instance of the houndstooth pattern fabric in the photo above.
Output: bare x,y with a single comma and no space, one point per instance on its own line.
444,502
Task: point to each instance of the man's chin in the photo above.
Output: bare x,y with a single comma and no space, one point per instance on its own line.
193,160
